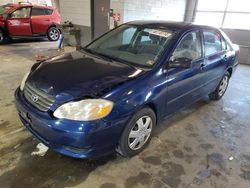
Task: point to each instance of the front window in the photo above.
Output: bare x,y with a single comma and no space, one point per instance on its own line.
189,47
136,45
21,13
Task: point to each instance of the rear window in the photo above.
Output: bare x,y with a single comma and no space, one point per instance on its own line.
41,12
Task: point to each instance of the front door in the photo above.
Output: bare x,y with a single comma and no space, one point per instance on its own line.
185,84
101,17
18,22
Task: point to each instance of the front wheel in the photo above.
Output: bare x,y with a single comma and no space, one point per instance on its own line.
221,88
137,133
53,34
2,37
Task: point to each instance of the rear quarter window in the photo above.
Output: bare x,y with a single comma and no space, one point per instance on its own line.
48,11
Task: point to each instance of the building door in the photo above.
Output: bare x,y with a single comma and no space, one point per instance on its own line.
100,17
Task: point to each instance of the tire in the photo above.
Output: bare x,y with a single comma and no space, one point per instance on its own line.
53,34
138,132
221,88
2,37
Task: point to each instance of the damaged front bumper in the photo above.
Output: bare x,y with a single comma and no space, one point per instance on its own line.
72,138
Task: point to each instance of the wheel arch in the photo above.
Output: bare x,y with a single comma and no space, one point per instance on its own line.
230,71
54,25
152,106
4,31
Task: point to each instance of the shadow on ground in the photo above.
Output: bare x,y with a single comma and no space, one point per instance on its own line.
52,170
24,40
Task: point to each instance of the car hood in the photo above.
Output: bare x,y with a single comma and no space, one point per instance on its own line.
80,75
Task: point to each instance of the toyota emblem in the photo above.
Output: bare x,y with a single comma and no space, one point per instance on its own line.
34,98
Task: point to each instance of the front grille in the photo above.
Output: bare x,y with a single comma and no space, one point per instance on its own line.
37,98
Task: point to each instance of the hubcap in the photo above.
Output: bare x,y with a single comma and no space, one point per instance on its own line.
140,133
223,86
54,34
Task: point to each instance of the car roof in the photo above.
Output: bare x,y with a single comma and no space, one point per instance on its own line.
174,26
28,5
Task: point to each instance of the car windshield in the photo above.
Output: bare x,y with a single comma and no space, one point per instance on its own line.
135,45
4,8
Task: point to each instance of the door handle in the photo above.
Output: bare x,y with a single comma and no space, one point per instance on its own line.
225,57
47,20
202,66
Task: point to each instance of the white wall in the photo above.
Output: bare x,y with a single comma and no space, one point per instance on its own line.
36,2
242,38
3,2
171,10
77,11
118,7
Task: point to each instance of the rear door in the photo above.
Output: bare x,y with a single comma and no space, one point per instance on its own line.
40,20
18,22
185,84
215,60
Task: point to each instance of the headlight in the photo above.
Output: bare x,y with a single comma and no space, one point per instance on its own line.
24,80
85,110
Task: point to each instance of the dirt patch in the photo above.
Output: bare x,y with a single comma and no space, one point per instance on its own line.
108,185
143,178
206,146
171,174
188,149
178,154
217,159
245,174
4,124
151,160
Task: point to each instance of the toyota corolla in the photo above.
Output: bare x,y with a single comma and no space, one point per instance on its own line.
110,95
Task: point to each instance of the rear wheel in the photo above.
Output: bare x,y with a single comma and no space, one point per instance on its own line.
53,34
221,88
137,133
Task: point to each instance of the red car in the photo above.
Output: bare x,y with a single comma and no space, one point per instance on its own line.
27,20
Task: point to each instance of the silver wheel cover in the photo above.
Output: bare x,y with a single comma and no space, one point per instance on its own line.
223,86
140,133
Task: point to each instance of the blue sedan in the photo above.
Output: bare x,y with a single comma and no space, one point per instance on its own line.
110,95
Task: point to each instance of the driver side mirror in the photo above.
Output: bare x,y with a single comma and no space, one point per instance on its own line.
180,63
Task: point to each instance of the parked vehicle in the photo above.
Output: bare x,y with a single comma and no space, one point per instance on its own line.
110,95
27,20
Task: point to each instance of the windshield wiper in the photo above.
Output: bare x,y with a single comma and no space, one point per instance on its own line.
123,61
113,58
97,54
